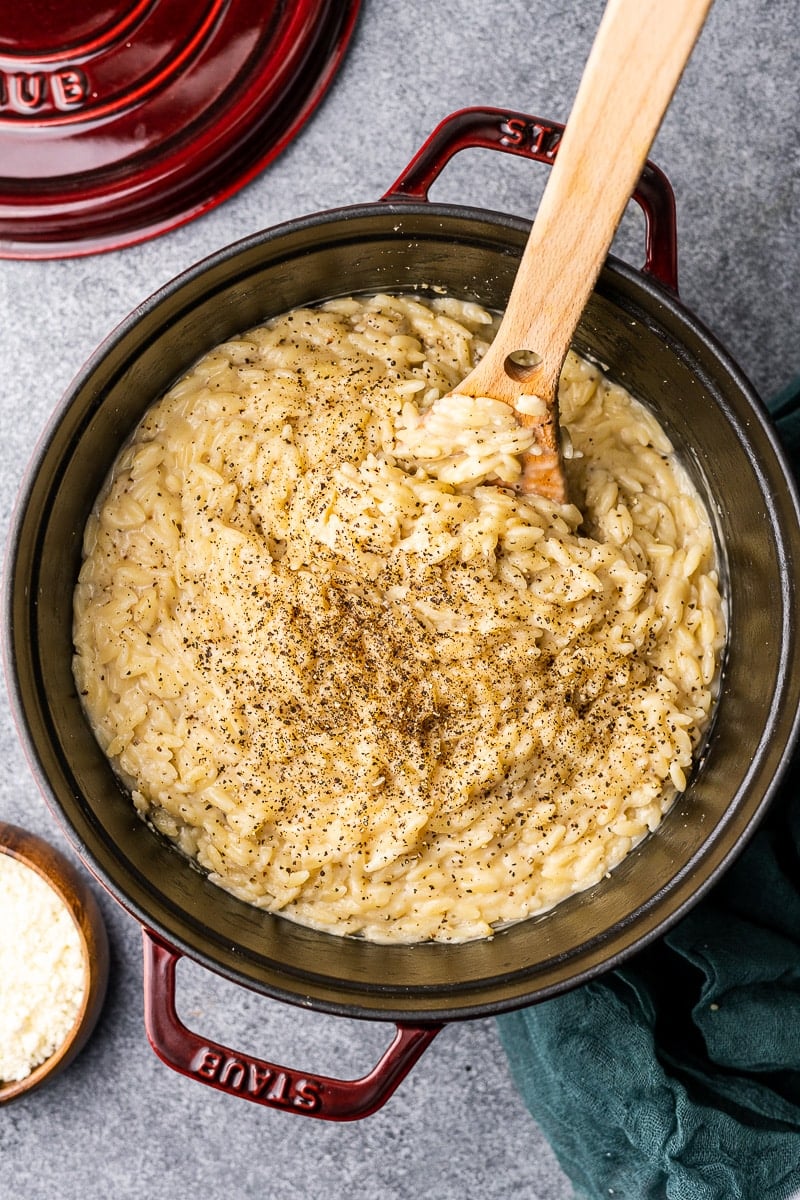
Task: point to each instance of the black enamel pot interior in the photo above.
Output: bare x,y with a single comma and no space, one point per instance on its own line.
648,342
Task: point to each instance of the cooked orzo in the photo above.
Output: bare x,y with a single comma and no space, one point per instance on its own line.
357,680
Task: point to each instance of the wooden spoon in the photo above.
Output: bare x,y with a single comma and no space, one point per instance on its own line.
633,69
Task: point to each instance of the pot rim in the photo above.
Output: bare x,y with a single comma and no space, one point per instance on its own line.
690,893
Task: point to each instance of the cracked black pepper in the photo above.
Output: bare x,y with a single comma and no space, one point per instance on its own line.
354,678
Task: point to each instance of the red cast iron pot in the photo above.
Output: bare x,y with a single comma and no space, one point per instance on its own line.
637,328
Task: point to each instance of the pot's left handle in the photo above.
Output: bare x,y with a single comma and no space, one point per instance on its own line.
537,139
254,1079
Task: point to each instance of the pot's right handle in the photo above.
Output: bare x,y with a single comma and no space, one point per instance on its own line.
531,137
254,1079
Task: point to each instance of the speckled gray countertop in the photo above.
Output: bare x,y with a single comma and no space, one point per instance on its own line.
118,1124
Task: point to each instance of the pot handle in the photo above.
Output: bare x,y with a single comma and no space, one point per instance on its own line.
532,137
263,1082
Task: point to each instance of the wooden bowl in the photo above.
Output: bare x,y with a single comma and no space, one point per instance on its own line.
56,870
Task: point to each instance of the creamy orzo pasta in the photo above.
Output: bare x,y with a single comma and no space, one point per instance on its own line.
362,684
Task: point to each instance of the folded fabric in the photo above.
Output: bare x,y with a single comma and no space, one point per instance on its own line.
677,1076
785,409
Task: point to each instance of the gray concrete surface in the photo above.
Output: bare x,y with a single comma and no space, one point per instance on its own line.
118,1124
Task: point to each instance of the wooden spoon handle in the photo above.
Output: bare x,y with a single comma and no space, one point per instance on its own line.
633,69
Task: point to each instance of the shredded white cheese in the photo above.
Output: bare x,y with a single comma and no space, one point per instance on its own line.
41,970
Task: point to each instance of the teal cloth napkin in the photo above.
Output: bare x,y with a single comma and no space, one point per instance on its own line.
677,1076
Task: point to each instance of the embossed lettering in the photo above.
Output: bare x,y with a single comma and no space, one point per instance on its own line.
541,140
29,92
281,1088
307,1094
545,140
69,87
513,131
208,1064
233,1073
258,1080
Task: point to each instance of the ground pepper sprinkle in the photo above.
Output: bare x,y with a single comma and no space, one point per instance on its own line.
360,681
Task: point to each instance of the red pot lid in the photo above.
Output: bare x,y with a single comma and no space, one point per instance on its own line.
120,119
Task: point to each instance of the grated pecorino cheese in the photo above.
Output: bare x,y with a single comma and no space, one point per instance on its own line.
41,970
